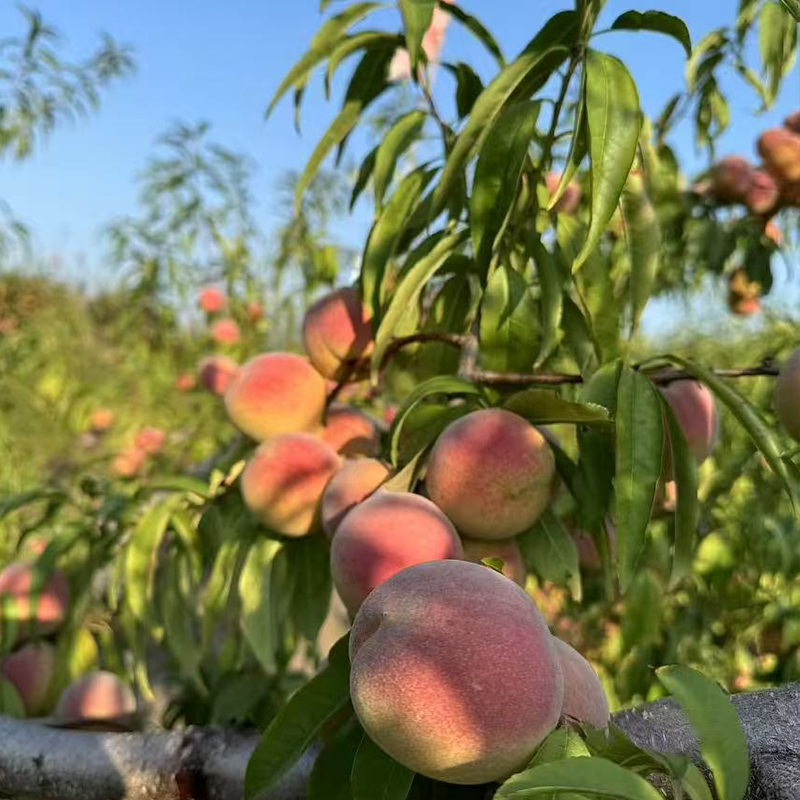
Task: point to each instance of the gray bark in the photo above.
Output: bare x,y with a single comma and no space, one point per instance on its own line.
209,764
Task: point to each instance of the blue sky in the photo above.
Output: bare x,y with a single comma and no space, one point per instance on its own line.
221,62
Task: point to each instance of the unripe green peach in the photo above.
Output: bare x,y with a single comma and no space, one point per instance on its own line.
276,393
337,333
40,613
507,550
381,536
584,697
787,396
454,672
98,696
352,484
30,669
780,149
351,432
283,482
491,472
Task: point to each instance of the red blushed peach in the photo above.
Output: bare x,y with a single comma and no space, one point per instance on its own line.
98,696
730,179
150,440
454,673
337,333
225,331
588,555
787,396
763,194
507,550
792,122
696,412
491,472
352,484
185,382
570,200
384,534
254,311
128,463
217,373
276,393
584,698
351,433
211,300
30,669
42,613
101,420
780,149
283,482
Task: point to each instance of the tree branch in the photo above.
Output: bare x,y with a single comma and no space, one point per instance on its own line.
209,764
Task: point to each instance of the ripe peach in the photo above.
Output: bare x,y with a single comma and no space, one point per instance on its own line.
588,555
185,382
507,550
211,300
381,536
731,179
101,420
42,613
571,198
30,669
150,440
283,482
354,482
351,432
792,122
128,463
780,149
337,333
773,233
454,673
98,696
226,331
584,698
491,472
696,412
787,392
763,194
276,393
217,373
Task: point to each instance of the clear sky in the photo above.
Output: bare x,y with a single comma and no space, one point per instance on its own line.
221,62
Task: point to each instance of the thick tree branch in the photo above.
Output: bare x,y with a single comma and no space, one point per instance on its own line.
209,764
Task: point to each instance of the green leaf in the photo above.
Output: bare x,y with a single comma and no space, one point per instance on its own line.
476,28
405,296
536,63
395,142
310,574
364,174
639,452
777,44
494,189
713,718
642,620
547,407
578,338
658,22
365,40
694,784
330,776
405,479
560,744
297,724
216,592
594,776
377,775
177,616
10,701
614,118
550,551
551,302
468,86
793,7
422,426
17,501
417,17
509,340
643,234
577,149
684,472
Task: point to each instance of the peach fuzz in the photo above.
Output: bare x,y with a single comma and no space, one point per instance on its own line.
384,534
454,672
276,393
30,669
780,149
17,582
337,333
787,396
351,432
584,697
217,373
491,472
94,697
283,482
211,300
352,484
507,550
696,412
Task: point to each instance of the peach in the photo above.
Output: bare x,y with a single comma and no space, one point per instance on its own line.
454,672
150,440
491,472
40,614
211,300
381,536
351,433
98,696
101,420
584,698
217,373
254,311
276,393
283,482
128,463
507,550
696,412
780,149
185,382
763,194
773,233
588,554
787,392
30,669
225,331
731,179
570,200
354,482
792,122
337,333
